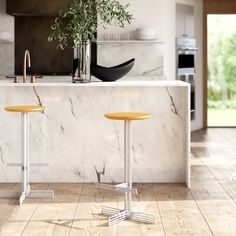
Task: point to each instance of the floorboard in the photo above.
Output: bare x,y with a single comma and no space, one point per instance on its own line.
208,208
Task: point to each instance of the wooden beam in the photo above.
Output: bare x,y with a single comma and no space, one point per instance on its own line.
35,7
205,67
220,6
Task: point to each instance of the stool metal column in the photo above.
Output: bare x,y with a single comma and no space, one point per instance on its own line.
25,162
128,163
117,215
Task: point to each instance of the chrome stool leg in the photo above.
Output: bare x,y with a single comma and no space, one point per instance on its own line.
128,163
117,215
25,186
26,191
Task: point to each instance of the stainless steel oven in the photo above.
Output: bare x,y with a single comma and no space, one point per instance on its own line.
186,53
186,65
186,62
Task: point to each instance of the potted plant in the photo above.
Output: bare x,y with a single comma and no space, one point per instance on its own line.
78,24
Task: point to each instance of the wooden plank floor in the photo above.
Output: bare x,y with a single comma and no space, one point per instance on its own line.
208,208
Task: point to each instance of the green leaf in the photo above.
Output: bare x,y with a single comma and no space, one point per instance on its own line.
78,22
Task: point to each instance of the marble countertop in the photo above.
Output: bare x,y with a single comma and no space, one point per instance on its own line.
66,81
80,145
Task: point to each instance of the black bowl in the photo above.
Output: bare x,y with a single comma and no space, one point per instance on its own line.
108,74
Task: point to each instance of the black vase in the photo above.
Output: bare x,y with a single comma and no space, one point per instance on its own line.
109,74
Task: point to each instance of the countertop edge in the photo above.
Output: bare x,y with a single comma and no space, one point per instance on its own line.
162,83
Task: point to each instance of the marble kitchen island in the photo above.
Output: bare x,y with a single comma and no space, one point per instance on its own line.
80,145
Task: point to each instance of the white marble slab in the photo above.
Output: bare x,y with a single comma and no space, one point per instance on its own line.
148,57
80,145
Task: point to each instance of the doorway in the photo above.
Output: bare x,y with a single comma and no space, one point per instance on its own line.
219,97
221,47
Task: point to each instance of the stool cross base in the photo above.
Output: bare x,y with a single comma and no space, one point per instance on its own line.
118,215
25,164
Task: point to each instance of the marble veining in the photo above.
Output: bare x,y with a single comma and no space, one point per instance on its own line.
148,58
1,156
173,106
100,173
78,173
72,107
150,71
38,97
80,145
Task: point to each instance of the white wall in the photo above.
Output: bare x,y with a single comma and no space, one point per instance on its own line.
162,15
184,20
6,21
198,34
146,13
148,56
169,21
170,50
6,49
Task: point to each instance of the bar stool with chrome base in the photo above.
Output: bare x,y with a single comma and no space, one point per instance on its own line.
25,186
117,215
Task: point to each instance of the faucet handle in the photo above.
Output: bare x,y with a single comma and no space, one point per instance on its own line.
15,77
32,79
38,76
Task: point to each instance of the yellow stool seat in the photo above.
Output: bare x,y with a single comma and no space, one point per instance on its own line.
128,116
25,108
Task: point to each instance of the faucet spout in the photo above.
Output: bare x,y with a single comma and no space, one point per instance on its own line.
27,62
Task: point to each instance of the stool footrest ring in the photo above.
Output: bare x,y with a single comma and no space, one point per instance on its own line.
32,164
39,164
119,187
15,164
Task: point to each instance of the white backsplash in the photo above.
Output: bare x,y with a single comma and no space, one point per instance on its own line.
148,56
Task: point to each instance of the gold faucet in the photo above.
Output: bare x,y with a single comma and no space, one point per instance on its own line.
27,63
26,60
